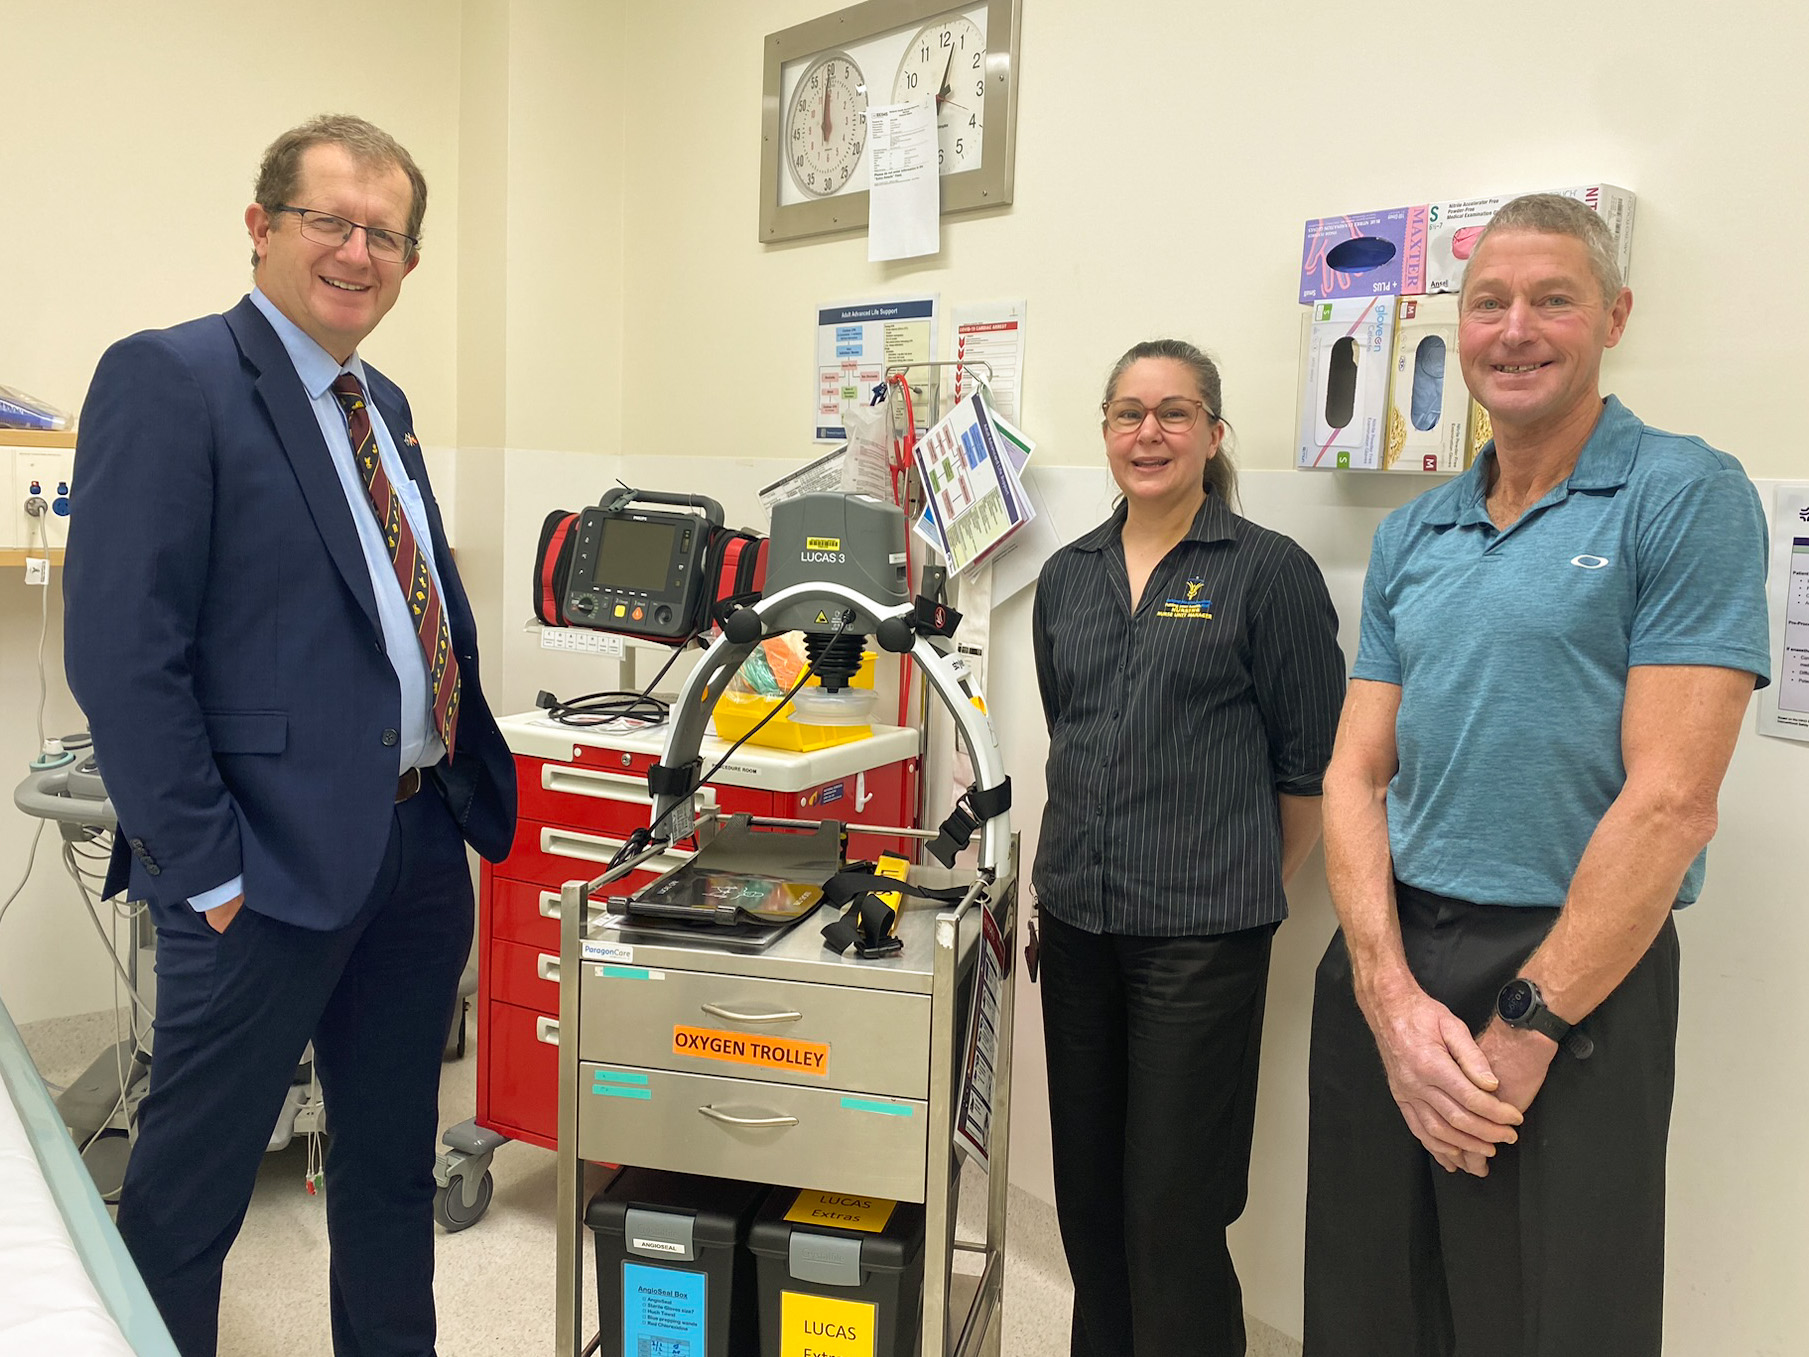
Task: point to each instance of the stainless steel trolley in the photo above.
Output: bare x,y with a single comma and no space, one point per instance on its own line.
899,1037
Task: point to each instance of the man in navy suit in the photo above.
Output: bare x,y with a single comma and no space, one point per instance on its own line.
267,633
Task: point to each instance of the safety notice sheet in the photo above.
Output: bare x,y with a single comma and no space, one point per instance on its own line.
971,483
1784,706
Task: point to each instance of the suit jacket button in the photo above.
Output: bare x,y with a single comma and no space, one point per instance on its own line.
137,845
390,737
152,869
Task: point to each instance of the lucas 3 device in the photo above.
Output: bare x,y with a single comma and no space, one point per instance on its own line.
643,571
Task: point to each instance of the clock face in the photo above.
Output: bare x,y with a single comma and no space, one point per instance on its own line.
946,61
826,125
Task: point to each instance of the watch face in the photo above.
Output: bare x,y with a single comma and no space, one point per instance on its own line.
826,125
1515,1001
946,61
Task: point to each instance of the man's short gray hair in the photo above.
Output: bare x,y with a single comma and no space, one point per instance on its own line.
1553,214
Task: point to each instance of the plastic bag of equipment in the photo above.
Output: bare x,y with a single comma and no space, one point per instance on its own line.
20,411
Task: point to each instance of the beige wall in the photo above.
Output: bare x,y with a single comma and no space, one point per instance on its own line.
133,137
1167,156
593,300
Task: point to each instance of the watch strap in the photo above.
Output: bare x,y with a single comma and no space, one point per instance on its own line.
1542,1020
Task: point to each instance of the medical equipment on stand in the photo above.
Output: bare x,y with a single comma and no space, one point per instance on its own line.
101,1107
582,794
836,571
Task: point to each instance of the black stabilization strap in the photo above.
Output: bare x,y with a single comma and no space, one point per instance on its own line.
867,921
974,809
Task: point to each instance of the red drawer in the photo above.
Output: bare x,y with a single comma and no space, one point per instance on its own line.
552,855
526,912
524,975
518,1075
611,800
519,912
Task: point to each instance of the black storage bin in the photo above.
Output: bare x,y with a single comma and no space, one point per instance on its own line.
671,1278
835,1291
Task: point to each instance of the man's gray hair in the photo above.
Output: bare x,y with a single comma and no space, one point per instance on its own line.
1553,214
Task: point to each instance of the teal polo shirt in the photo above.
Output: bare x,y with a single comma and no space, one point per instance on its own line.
1511,648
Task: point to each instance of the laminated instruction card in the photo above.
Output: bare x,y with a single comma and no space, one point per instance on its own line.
970,480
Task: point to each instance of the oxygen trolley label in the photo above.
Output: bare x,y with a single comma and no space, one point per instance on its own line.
741,1048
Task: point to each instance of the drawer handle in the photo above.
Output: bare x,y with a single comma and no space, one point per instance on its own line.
547,1030
569,843
548,967
730,1015
549,904
623,788
556,777
729,1120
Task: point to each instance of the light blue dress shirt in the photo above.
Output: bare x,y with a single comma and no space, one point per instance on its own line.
420,745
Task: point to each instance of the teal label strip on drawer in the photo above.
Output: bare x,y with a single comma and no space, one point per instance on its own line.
880,1106
621,1084
627,973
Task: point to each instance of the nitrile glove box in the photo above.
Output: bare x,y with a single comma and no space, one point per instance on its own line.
1428,403
671,1274
1453,228
1346,347
839,1275
1365,254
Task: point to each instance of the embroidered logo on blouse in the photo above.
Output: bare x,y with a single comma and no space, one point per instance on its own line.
1588,562
1190,606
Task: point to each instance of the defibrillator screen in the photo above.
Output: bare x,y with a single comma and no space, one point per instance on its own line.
633,557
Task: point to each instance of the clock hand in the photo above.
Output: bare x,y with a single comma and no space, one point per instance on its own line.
828,84
942,90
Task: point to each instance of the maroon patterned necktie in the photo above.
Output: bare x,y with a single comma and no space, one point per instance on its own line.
411,565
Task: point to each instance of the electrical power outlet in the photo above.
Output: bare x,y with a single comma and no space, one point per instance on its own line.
43,473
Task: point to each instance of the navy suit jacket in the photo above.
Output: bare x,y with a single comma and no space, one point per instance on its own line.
222,637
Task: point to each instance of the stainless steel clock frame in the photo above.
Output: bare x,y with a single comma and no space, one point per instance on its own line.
988,186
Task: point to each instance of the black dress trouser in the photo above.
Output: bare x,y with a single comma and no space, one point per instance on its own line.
1152,1047
1559,1252
234,1012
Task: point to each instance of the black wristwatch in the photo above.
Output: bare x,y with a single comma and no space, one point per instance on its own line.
1521,1005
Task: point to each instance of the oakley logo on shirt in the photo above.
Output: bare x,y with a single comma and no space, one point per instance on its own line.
1588,562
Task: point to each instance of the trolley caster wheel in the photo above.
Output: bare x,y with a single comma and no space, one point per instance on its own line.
449,1207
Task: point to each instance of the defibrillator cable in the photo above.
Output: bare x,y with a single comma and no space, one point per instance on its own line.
595,708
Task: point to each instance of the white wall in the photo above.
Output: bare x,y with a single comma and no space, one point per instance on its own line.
594,301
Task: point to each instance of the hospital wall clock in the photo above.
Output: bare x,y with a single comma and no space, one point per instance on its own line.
821,76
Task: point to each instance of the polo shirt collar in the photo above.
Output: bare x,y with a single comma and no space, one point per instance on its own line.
1603,464
1213,523
313,364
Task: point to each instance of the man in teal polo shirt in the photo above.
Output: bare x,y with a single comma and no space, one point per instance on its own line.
1557,652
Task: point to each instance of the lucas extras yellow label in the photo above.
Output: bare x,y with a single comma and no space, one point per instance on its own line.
817,1326
843,1212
